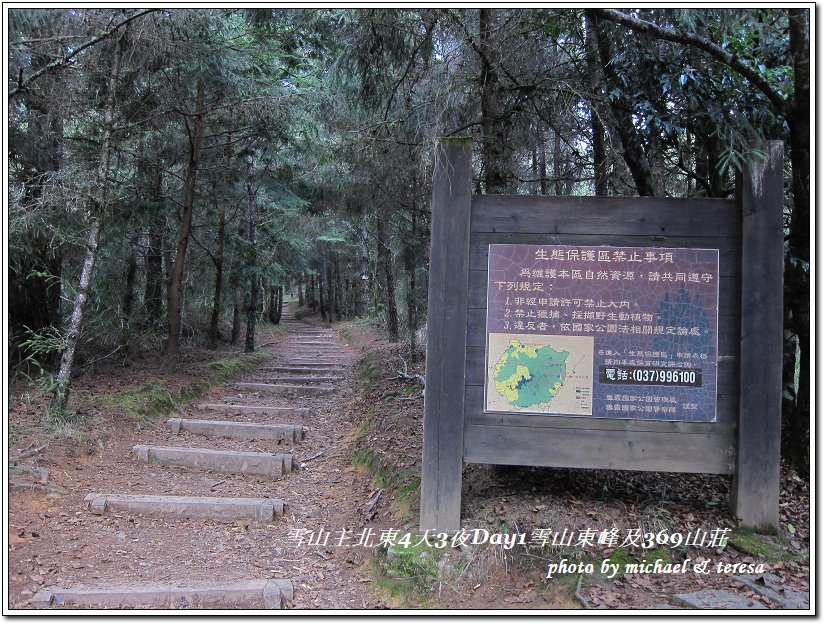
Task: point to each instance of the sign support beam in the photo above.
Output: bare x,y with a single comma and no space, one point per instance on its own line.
754,494
446,337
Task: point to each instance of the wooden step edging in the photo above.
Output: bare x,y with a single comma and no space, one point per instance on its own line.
255,409
252,594
308,365
237,430
301,370
195,507
236,462
275,388
302,379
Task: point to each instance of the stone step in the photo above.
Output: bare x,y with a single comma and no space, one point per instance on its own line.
322,339
316,363
302,379
284,388
237,430
307,351
251,594
771,586
195,507
303,412
716,599
298,370
235,462
310,363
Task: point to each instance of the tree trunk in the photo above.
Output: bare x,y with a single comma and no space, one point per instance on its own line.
385,270
556,163
278,311
128,296
596,125
542,157
96,209
362,294
494,120
310,292
330,291
300,292
797,266
221,241
336,269
321,295
175,294
251,313
621,108
411,292
599,164
237,313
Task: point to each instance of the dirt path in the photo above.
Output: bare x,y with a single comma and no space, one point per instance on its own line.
57,542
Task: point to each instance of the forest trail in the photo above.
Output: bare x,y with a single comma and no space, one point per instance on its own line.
195,513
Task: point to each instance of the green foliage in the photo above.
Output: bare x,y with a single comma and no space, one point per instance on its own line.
340,109
148,400
411,486
621,556
41,344
760,544
366,368
408,575
364,459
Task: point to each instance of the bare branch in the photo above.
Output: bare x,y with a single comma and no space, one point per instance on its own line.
695,41
22,85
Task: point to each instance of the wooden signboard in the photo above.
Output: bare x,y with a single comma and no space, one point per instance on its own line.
604,332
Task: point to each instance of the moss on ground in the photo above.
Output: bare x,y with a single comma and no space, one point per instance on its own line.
152,399
752,543
408,576
144,401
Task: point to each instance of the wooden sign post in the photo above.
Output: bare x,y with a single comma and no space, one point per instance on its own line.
622,333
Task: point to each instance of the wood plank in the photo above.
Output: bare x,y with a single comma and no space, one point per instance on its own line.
756,488
727,410
729,249
580,448
647,216
446,337
476,417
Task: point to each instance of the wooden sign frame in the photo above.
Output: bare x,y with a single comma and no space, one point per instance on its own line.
745,439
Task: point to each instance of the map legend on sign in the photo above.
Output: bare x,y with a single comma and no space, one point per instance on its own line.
540,374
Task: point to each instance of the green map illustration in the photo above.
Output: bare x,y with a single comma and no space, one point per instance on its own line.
539,374
530,375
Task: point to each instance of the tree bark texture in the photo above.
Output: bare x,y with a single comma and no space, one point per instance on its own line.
96,209
321,294
219,257
128,296
175,294
599,156
796,408
385,270
254,289
494,116
621,108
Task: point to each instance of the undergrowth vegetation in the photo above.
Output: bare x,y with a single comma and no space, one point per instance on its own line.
152,398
